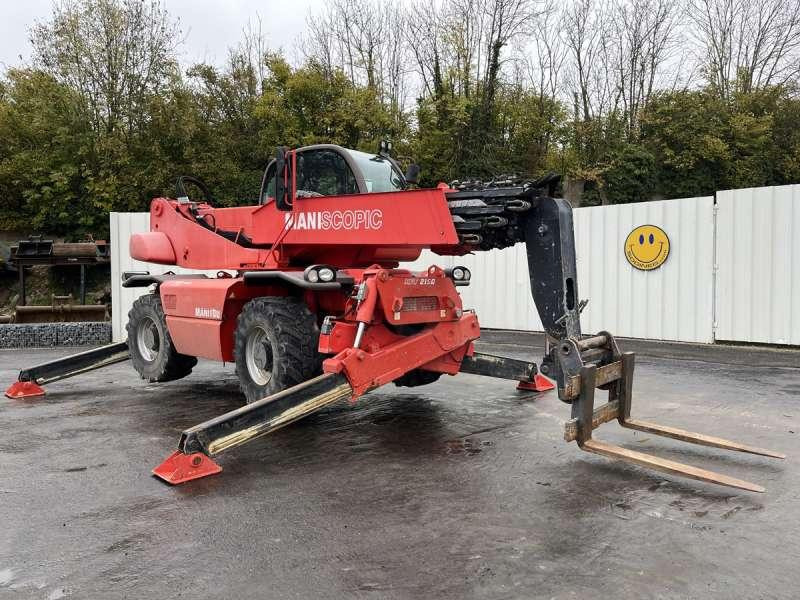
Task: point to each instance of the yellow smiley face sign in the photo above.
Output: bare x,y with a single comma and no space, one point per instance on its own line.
647,247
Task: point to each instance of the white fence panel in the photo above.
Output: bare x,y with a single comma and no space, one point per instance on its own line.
758,259
673,302
426,259
122,225
500,290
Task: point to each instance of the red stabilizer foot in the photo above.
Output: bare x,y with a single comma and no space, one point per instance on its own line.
540,383
24,389
180,467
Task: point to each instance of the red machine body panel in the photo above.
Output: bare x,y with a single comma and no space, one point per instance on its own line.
201,313
194,246
407,298
197,337
417,218
350,231
443,344
153,247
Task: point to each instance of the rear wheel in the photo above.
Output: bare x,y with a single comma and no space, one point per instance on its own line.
275,346
152,352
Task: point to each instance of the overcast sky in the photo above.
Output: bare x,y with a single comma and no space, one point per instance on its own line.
209,26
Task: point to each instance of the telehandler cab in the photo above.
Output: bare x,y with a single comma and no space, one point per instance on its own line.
312,306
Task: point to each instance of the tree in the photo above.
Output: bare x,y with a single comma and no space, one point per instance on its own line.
104,120
687,134
113,53
365,39
748,46
646,37
629,176
44,137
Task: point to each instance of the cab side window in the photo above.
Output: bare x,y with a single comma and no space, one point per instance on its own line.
269,180
324,172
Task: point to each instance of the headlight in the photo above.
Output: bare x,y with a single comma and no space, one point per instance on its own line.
326,274
461,274
320,274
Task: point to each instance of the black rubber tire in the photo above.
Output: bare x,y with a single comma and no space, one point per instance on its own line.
416,378
167,364
293,335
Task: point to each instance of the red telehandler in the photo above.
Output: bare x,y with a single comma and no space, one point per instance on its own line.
319,311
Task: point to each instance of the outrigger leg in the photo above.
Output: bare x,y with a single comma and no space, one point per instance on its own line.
199,443
348,375
30,380
502,367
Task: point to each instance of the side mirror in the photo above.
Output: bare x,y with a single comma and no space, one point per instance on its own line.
385,148
283,180
412,174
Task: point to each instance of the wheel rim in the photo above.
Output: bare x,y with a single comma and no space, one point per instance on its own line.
148,340
258,356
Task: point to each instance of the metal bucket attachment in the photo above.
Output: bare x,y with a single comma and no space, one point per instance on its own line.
617,377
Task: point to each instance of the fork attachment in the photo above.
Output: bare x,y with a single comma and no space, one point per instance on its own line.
613,371
581,364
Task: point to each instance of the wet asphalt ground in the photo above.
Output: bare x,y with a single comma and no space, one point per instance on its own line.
460,489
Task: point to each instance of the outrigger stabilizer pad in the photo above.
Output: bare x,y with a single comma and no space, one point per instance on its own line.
540,383
24,389
180,467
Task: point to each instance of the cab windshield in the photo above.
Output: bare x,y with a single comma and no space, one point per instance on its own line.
379,174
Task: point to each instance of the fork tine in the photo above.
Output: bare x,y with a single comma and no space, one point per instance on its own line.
696,438
666,466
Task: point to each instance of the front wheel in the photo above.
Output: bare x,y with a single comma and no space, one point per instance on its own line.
152,352
416,378
275,346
